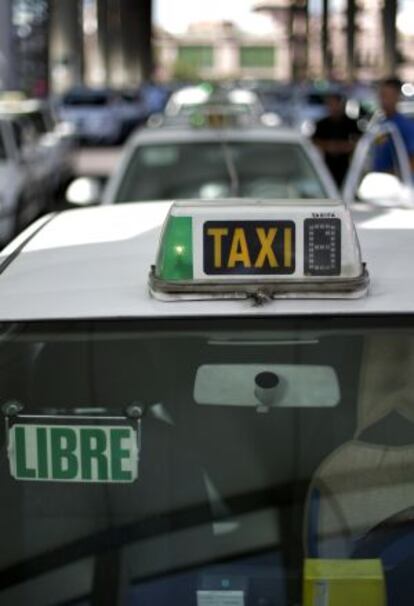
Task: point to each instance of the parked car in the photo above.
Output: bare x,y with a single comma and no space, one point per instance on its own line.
133,110
45,142
250,162
94,114
24,194
212,163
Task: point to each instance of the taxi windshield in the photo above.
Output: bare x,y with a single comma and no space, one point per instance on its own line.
254,169
263,443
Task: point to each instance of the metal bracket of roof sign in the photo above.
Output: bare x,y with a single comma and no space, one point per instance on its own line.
259,291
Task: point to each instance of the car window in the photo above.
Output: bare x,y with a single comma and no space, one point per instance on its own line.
27,131
3,152
38,122
93,99
212,170
18,132
315,99
239,478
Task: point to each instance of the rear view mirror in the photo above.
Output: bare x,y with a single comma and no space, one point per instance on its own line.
265,386
84,191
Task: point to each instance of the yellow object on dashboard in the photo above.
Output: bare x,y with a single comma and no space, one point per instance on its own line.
343,583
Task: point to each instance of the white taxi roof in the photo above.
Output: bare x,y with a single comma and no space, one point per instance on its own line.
172,134
94,263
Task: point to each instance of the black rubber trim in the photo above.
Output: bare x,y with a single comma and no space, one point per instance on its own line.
8,260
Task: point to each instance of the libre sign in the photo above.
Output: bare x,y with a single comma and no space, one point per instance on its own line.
67,453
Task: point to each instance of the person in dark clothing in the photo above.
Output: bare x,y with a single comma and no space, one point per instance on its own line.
336,136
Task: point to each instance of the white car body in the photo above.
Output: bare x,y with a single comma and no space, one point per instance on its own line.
187,99
95,263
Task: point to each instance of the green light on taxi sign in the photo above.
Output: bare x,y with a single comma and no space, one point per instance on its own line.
75,453
175,258
198,120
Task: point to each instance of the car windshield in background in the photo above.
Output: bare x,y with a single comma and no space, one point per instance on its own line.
92,99
251,169
265,442
315,99
129,96
38,122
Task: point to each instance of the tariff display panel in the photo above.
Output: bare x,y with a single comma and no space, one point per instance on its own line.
323,247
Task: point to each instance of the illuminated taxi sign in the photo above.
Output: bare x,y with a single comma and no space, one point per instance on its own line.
220,117
241,248
249,247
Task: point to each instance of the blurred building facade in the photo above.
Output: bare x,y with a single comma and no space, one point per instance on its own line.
220,50
24,46
370,60
55,44
293,50
7,75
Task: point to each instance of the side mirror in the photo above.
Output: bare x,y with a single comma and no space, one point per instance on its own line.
380,186
84,191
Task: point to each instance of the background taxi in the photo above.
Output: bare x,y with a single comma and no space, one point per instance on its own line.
176,162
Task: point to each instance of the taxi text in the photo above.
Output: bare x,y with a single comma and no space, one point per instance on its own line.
263,247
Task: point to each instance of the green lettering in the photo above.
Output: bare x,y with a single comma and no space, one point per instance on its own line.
20,445
41,436
118,454
93,446
63,446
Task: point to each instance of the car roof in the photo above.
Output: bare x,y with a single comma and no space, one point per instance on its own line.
170,134
22,107
94,263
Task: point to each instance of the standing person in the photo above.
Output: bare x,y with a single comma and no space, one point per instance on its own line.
336,136
389,94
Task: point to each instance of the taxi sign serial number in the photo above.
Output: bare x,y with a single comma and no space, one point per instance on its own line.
249,247
73,453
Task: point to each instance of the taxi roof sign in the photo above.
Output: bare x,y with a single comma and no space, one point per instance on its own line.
260,249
